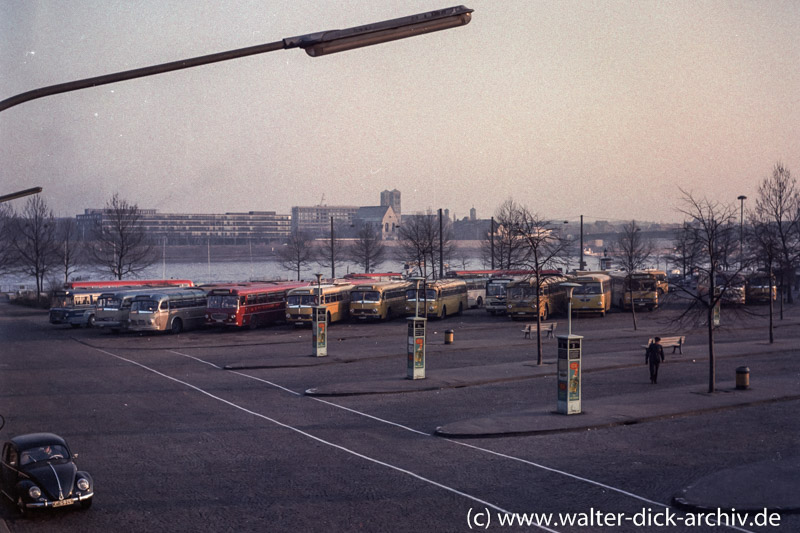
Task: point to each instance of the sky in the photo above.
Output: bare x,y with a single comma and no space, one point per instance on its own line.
607,109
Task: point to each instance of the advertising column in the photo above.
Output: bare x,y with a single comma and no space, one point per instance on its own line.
569,374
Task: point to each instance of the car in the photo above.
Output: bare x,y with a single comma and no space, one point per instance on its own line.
38,471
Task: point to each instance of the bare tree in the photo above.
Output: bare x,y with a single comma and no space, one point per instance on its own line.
765,247
508,250
712,229
544,248
298,252
69,249
33,241
331,252
684,256
120,245
632,252
422,242
779,203
368,250
7,258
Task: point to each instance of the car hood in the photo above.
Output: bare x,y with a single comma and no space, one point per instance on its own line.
56,479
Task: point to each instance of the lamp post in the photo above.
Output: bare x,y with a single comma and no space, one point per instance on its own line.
20,194
315,44
741,199
491,236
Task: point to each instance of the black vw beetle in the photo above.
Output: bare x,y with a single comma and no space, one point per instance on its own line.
37,471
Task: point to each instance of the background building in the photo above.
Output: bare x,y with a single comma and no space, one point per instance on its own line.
392,199
316,220
228,228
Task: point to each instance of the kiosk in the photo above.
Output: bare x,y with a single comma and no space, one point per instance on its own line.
569,364
319,331
416,338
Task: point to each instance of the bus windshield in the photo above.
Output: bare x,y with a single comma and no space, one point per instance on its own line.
301,299
365,296
588,288
226,301
145,306
643,285
429,294
496,289
110,303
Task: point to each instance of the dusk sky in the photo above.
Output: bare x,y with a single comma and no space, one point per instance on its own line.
600,108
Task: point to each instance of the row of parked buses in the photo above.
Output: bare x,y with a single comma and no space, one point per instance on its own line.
739,288
177,305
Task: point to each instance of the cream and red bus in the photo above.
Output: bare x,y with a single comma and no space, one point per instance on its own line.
521,296
335,298
380,300
437,299
168,309
248,305
76,301
593,295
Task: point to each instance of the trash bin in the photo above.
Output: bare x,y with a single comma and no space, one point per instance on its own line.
743,378
448,336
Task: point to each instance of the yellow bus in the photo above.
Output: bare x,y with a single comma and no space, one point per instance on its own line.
380,300
662,285
759,288
335,298
166,309
731,285
521,297
641,286
439,299
593,295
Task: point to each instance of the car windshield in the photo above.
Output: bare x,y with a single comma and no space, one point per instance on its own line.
43,453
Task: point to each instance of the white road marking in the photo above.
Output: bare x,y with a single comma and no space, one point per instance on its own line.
306,434
477,448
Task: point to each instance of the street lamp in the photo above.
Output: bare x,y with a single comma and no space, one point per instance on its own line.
741,199
315,44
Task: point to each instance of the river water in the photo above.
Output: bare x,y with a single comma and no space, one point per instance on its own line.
225,271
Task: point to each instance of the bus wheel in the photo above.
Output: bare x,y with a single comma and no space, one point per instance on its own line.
328,317
177,326
90,322
444,312
546,312
388,314
480,301
461,309
253,322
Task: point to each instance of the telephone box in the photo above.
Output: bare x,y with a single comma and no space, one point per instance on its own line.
319,331
416,348
569,374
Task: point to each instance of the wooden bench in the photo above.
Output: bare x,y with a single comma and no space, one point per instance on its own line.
676,342
547,327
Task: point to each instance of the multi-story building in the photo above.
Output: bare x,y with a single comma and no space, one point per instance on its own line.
228,228
316,220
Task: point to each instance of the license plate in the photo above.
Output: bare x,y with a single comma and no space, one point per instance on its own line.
63,503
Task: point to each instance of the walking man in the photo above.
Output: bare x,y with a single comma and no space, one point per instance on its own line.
654,355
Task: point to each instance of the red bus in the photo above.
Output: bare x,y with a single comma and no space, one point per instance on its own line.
248,304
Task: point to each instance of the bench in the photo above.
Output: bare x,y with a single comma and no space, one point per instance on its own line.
676,343
548,327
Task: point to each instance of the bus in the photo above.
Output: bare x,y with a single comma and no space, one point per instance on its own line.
168,309
476,292
335,298
662,284
249,305
641,287
759,288
113,308
438,299
521,296
731,285
76,301
380,300
593,295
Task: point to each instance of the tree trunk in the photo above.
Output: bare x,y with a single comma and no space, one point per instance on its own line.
712,379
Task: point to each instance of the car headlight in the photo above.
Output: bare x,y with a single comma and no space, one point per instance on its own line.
35,492
83,484
288,315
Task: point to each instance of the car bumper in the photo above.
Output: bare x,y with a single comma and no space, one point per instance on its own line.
66,502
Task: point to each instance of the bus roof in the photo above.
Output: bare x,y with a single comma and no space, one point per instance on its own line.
383,276
160,292
256,288
128,283
378,285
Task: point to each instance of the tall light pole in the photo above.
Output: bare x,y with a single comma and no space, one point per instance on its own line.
315,44
491,236
741,199
333,254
